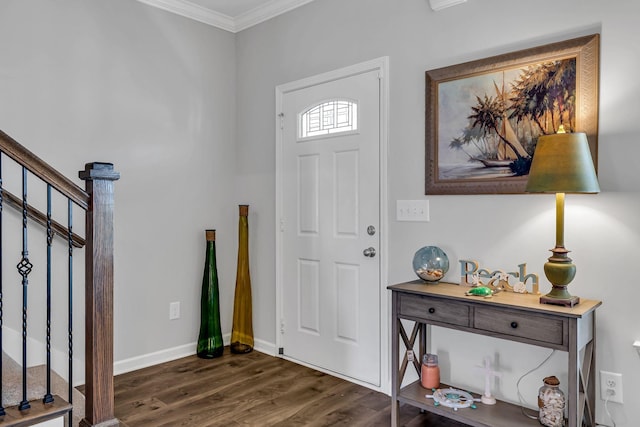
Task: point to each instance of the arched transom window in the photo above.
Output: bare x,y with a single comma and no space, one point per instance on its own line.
329,117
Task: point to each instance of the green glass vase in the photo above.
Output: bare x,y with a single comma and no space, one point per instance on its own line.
242,330
210,342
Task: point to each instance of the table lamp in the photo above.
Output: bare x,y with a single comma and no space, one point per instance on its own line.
561,164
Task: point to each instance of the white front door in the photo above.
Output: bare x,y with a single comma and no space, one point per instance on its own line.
330,222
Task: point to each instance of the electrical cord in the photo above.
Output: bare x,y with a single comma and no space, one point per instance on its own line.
521,397
606,407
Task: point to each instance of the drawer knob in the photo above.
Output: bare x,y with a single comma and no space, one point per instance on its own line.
514,325
432,310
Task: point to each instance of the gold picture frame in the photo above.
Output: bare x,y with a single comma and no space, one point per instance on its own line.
483,117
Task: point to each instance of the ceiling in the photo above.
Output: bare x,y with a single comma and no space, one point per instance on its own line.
230,15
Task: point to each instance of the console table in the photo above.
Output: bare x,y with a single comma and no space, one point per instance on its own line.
510,316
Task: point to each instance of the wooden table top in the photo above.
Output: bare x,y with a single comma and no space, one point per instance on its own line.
527,302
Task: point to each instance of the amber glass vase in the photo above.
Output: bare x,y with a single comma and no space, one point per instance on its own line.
242,330
210,342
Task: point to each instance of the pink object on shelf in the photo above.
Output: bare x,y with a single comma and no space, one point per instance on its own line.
430,372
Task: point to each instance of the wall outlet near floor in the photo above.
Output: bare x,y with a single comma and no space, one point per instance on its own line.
611,386
174,310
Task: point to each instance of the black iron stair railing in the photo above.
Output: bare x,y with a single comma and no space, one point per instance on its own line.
24,268
97,203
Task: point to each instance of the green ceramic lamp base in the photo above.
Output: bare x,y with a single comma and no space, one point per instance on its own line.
560,271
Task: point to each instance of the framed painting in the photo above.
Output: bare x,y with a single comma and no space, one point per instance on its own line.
483,118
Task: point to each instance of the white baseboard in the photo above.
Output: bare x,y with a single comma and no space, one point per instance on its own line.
169,354
155,358
56,422
12,345
265,347
36,355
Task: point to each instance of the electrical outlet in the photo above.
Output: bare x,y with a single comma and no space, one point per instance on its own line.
174,310
611,386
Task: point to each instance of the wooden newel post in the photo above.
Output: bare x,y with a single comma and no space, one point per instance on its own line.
99,392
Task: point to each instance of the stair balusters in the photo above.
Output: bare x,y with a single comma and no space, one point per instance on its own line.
96,202
24,268
70,304
48,398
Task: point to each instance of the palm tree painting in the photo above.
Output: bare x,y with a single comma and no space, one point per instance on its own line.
495,119
483,118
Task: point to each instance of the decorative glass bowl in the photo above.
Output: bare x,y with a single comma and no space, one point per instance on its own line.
430,263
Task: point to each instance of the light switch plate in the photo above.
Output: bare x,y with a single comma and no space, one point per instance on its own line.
412,210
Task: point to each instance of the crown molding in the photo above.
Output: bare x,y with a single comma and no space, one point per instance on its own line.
441,4
266,11
243,21
195,12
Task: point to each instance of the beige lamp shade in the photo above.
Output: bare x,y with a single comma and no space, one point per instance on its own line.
562,164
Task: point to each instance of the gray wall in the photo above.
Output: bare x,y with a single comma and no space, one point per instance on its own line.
499,231
160,95
153,93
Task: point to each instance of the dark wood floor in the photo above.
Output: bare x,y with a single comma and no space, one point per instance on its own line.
252,389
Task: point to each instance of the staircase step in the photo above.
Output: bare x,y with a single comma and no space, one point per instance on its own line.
39,412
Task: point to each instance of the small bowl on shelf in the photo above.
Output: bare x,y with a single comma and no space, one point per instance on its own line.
430,264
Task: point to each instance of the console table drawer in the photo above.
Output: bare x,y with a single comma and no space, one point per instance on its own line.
434,310
518,324
508,316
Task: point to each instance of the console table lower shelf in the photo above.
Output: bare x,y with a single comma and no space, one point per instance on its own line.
502,414
507,316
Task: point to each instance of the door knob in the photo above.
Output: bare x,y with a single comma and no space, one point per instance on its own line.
369,252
